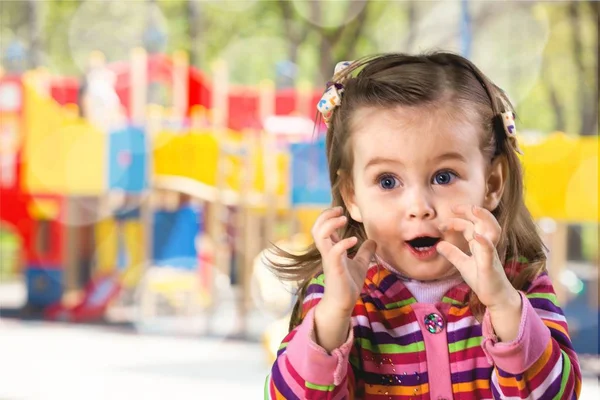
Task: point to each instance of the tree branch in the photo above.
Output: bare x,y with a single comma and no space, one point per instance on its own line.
587,115
286,11
358,26
335,35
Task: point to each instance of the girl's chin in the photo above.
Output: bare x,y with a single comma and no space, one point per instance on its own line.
428,274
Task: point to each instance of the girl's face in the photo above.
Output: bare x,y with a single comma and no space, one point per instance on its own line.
411,166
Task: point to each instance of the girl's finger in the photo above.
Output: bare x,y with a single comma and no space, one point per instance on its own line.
335,237
465,211
329,227
324,216
484,221
490,226
484,250
328,214
340,249
466,227
365,254
324,235
453,254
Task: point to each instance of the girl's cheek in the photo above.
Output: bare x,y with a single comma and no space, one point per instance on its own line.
379,222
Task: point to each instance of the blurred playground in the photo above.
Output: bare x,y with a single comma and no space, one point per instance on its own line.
142,195
144,208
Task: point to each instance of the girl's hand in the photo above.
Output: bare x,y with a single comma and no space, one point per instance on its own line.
344,277
482,269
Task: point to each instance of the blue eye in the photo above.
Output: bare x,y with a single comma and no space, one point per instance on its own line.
388,182
444,177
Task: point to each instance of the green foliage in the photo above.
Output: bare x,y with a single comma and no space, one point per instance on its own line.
253,36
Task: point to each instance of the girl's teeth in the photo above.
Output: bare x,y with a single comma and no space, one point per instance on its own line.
422,248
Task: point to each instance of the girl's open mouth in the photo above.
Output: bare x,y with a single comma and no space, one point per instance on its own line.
423,247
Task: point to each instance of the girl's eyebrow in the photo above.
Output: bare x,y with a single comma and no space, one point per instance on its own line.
382,160
450,156
442,157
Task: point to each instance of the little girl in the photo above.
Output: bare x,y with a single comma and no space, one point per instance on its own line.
427,278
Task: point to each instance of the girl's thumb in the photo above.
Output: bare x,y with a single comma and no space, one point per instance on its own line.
365,253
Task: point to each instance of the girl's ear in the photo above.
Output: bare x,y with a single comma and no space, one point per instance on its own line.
347,192
495,183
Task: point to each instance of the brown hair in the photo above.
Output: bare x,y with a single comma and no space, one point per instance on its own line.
392,80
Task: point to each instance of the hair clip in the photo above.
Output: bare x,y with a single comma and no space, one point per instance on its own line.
331,99
333,94
510,127
508,119
342,65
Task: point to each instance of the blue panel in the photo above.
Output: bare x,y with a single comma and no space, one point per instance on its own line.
583,319
310,176
44,286
174,236
127,160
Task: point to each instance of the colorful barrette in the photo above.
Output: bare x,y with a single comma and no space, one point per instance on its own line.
510,127
333,95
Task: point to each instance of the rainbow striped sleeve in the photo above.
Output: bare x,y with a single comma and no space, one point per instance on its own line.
304,370
549,367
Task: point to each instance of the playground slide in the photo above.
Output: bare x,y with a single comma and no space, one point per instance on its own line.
98,295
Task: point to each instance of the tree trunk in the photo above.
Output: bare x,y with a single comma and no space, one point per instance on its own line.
356,27
295,37
34,34
595,6
326,60
587,99
342,37
193,20
560,124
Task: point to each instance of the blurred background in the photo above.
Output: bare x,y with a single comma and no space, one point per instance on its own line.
151,150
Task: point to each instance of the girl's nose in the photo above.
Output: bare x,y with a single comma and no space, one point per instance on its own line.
420,207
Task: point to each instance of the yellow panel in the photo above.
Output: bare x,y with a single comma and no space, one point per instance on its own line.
47,209
232,170
62,154
133,235
85,158
283,166
195,156
42,171
106,247
204,158
306,218
191,155
259,171
561,178
160,156
581,202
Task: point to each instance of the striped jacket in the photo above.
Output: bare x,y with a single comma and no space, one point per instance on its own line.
400,349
